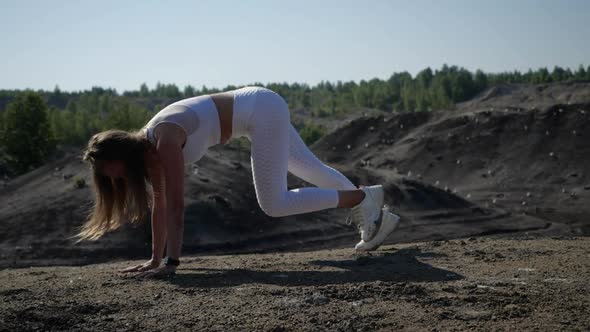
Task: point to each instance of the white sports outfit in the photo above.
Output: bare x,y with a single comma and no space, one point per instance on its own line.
263,117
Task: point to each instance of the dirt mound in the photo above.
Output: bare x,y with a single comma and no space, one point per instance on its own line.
540,97
473,284
44,209
529,162
41,210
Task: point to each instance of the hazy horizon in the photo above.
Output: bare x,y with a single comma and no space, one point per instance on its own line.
122,45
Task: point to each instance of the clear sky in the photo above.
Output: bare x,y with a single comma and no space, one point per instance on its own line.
123,43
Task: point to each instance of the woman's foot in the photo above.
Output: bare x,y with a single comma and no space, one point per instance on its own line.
367,214
389,222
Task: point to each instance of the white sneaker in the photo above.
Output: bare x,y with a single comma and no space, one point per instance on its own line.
367,214
389,222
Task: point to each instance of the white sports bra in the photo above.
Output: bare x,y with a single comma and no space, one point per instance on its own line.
198,117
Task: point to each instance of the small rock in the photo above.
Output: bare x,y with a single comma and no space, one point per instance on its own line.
528,194
371,128
357,303
348,147
317,299
366,145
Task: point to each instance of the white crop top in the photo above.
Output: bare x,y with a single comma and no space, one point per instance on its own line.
198,117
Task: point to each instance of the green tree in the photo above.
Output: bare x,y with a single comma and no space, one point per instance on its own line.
144,91
26,136
189,91
311,133
481,80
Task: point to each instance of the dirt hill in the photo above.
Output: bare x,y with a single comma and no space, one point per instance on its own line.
508,162
492,151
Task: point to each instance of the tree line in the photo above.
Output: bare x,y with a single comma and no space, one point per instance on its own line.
33,123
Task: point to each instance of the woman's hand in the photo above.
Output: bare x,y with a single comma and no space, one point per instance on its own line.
151,264
159,272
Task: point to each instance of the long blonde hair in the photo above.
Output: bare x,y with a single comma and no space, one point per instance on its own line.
117,201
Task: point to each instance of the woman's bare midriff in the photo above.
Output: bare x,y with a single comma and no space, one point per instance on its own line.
224,102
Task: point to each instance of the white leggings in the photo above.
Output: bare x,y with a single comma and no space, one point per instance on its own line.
277,147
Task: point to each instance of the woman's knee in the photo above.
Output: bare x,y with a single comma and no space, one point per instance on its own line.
273,207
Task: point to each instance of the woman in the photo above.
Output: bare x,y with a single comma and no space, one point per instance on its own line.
125,165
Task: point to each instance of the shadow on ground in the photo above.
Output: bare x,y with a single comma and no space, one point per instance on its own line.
399,266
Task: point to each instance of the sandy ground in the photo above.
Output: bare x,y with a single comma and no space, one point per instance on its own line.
477,284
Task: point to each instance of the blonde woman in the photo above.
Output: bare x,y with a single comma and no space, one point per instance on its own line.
137,171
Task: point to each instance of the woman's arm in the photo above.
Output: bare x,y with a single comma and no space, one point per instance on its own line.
159,228
156,178
169,148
